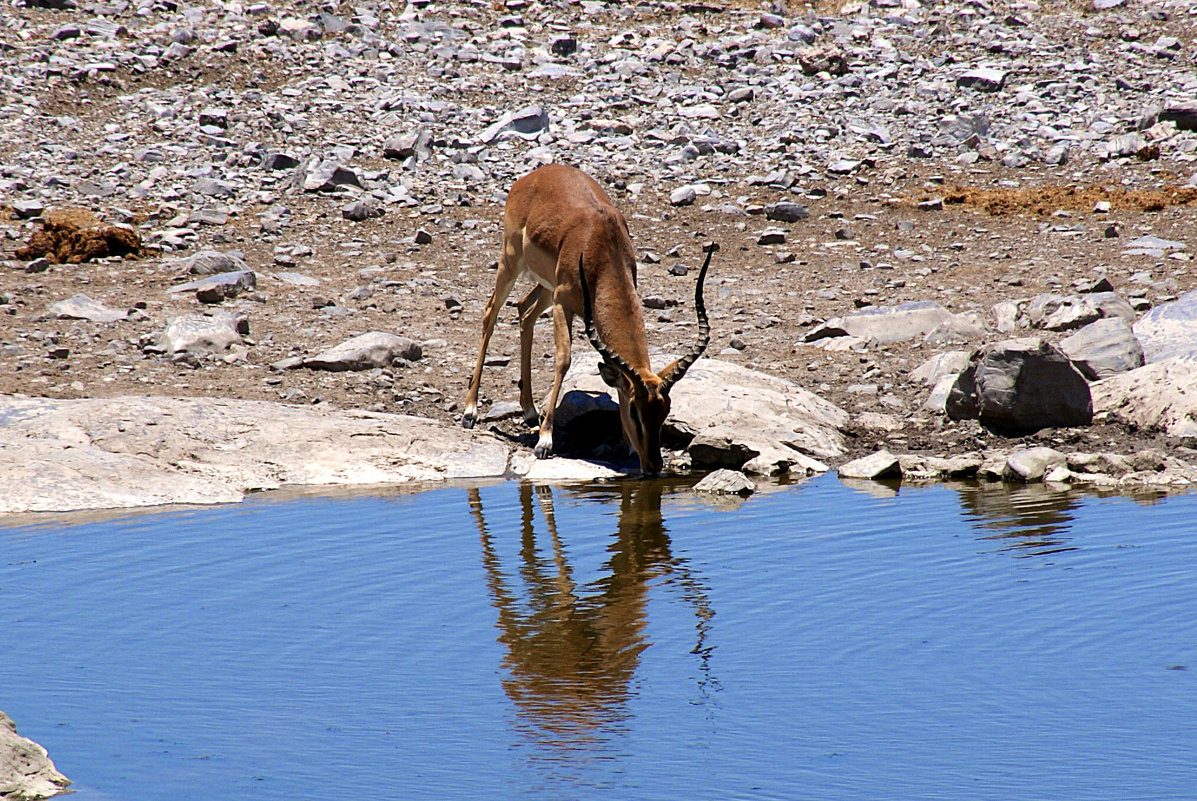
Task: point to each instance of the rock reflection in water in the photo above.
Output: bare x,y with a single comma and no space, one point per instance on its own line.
572,652
1028,519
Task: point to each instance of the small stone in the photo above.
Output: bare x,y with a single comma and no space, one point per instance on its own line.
726,482
983,79
785,211
875,467
683,196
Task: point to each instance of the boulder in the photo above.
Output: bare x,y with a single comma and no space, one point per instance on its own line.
1170,329
364,352
1161,396
26,771
63,455
886,323
1020,386
732,416
1104,348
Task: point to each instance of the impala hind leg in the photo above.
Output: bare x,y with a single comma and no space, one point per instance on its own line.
530,309
561,338
504,281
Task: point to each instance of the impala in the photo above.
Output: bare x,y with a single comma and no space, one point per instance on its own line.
561,230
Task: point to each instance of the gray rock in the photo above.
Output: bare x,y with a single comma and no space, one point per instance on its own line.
328,176
683,196
874,467
26,209
726,482
885,323
360,210
964,327
1020,386
1104,348
1170,329
983,79
365,352
785,211
81,307
1150,245
1005,316
559,470
1032,464
739,418
210,262
279,161
1060,313
529,121
414,144
61,455
215,288
937,367
200,335
1161,396
26,771
1183,114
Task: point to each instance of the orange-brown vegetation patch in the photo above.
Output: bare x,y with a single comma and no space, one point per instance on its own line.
1044,200
71,236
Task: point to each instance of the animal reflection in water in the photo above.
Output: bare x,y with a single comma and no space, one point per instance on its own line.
572,652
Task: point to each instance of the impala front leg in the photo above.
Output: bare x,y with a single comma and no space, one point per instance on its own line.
530,308
562,323
503,283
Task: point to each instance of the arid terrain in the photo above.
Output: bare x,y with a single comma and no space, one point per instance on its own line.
125,141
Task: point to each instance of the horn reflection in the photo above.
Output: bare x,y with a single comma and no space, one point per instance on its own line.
572,651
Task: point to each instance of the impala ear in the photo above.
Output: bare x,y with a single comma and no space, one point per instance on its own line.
609,374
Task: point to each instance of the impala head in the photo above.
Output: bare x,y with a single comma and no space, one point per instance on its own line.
644,395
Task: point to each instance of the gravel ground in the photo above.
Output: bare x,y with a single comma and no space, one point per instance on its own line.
1053,134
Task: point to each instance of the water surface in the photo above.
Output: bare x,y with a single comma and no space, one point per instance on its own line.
629,640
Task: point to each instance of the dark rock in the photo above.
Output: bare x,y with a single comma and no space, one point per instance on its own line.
1020,386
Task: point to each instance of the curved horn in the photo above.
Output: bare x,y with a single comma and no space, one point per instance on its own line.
609,356
675,371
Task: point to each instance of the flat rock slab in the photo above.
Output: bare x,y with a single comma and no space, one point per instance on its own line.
1170,329
365,352
81,307
26,772
1161,396
886,323
559,470
64,455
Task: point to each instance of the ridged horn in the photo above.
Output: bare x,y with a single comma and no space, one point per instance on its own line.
609,356
675,371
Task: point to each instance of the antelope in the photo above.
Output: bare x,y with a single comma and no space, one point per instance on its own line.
561,230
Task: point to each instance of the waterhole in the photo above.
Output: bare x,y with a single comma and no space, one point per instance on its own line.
620,641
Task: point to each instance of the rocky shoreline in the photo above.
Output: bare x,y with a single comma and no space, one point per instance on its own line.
26,772
959,235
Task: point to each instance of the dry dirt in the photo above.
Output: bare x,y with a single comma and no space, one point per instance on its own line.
992,243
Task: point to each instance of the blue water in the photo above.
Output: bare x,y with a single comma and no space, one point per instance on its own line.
626,641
